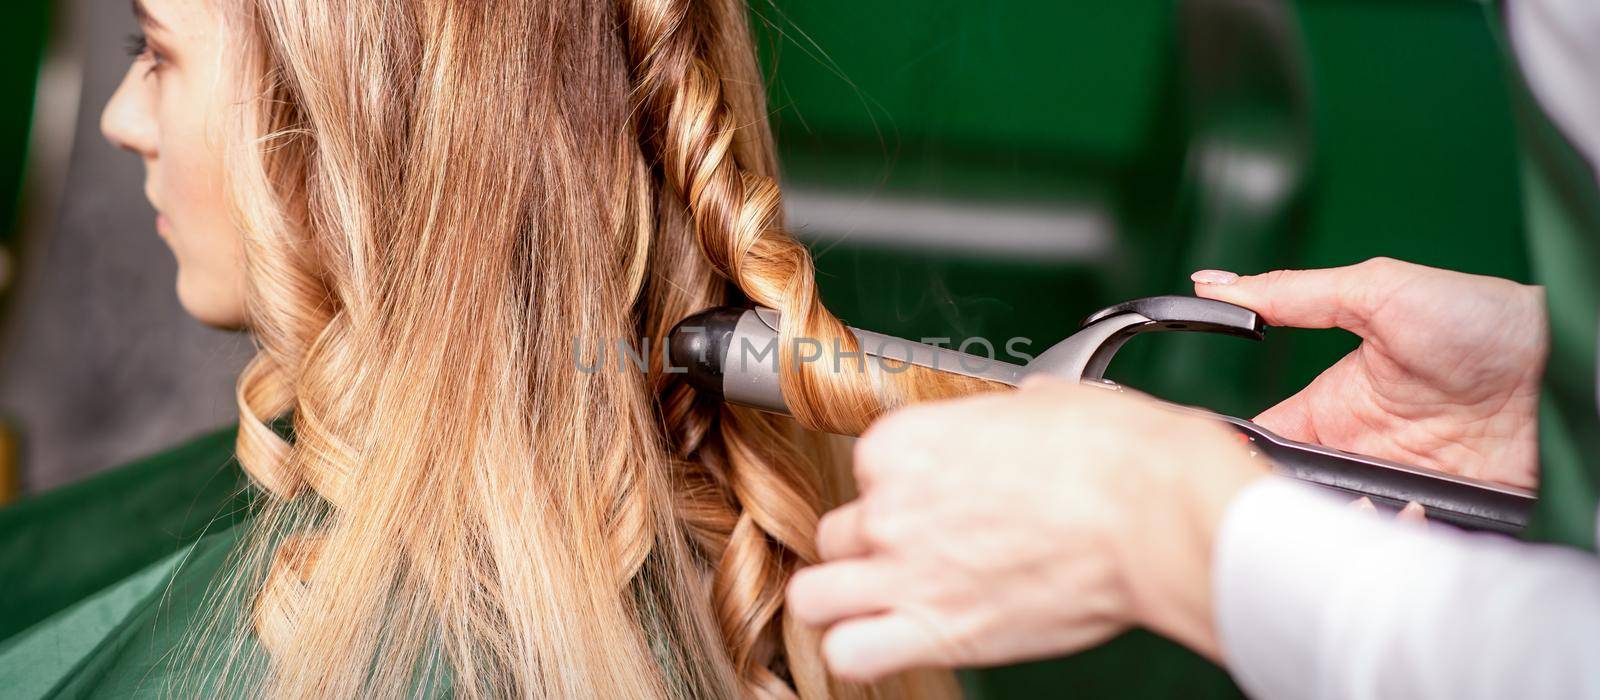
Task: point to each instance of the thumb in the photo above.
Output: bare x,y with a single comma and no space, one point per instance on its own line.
1290,418
1325,298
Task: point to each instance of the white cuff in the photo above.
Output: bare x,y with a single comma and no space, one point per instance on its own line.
1279,546
1316,600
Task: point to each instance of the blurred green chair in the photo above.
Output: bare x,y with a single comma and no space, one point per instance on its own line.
1245,87
24,29
1562,205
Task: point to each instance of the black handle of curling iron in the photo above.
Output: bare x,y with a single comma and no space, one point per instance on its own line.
1466,503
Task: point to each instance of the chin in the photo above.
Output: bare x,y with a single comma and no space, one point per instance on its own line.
209,306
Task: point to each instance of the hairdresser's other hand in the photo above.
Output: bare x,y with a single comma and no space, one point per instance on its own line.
1013,526
1446,376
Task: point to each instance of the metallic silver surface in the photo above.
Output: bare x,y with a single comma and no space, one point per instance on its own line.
750,365
1085,354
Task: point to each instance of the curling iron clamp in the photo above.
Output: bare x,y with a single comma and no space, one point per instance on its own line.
721,350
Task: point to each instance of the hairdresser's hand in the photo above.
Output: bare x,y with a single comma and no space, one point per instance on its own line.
1006,527
1447,374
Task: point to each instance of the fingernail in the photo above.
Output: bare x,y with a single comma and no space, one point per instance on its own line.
1413,512
1364,505
1214,277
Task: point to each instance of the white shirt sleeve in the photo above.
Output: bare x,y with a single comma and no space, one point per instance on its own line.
1317,600
1558,46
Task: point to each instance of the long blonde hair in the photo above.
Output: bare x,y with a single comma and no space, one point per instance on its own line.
436,198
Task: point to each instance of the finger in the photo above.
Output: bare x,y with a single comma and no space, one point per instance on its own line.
1290,419
1363,505
884,445
1043,381
821,595
870,648
1339,296
839,533
1413,513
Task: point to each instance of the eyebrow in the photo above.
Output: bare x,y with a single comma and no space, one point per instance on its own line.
142,14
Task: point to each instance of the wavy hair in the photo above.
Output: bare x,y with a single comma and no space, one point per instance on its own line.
436,198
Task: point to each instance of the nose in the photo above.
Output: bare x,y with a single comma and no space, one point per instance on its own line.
128,121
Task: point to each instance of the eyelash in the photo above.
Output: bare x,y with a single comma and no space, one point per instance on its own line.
139,48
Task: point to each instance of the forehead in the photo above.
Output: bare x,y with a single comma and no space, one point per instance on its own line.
177,16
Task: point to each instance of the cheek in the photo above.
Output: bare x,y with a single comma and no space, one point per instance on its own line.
191,191
200,230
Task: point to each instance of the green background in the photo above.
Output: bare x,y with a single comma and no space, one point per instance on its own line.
23,29
1407,148
1412,156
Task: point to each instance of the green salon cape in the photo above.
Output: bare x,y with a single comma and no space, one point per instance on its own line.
101,582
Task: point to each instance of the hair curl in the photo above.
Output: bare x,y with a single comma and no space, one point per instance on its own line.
436,198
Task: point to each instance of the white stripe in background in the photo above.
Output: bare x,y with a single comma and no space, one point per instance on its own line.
55,119
1041,231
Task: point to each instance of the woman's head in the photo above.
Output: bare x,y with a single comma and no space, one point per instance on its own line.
168,110
433,201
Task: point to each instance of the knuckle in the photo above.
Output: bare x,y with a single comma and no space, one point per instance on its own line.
802,593
880,434
861,464
1274,277
869,454
880,528
894,425
1366,292
1045,385
885,447
1380,272
830,528
828,522
843,656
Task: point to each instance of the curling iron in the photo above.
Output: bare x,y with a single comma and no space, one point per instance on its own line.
721,353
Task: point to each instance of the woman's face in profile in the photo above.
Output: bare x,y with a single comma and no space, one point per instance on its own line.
168,111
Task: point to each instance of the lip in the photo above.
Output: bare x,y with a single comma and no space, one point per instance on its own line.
163,227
